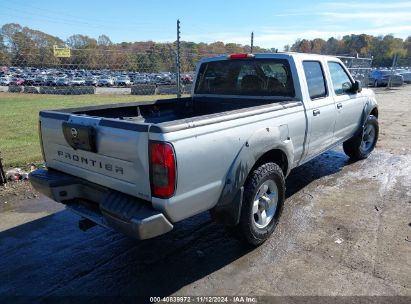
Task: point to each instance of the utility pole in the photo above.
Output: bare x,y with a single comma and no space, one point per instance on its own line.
252,42
394,64
178,61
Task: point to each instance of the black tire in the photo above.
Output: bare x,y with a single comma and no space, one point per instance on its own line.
353,147
253,234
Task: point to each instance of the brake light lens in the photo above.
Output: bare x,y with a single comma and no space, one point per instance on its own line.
240,56
162,169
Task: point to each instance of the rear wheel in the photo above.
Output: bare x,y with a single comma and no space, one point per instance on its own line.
264,194
360,146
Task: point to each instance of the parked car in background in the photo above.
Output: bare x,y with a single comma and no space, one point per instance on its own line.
77,81
105,81
29,81
39,80
186,79
91,81
406,75
4,81
379,78
17,81
141,79
122,81
50,81
164,79
62,82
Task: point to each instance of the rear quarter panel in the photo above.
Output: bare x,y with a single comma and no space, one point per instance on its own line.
206,154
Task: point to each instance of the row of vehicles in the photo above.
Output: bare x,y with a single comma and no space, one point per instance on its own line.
103,78
106,78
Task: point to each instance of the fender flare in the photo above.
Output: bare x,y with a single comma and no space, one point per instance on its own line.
228,208
369,107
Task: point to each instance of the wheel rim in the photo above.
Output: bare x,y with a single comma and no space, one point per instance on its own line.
368,138
265,204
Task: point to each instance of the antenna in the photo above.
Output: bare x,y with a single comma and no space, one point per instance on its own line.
178,61
252,42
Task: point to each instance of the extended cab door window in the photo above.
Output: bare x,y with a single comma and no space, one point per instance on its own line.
320,109
315,79
341,81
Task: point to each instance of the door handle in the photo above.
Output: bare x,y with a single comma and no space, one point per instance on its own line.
316,112
339,105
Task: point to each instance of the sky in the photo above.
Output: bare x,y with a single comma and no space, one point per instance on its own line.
274,23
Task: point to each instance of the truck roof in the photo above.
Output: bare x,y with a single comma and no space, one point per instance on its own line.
280,55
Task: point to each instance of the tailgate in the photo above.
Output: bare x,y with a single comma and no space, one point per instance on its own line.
115,156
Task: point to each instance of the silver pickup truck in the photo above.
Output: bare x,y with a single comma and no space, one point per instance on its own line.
141,167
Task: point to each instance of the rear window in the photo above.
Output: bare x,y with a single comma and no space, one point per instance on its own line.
252,77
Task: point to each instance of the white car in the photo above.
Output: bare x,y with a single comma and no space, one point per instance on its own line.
122,81
4,81
77,81
141,79
407,76
105,81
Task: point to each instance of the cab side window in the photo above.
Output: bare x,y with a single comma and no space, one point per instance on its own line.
341,81
315,79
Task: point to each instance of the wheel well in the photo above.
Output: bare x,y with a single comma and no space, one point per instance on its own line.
276,156
374,112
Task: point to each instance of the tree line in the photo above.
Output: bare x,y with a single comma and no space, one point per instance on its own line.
23,46
381,48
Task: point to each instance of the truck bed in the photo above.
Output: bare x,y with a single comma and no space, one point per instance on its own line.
169,113
108,144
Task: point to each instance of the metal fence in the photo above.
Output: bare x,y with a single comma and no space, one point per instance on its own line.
116,71
358,67
101,71
91,71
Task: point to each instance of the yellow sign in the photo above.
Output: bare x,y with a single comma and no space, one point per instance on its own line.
61,52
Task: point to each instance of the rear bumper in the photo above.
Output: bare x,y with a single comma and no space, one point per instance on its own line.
105,207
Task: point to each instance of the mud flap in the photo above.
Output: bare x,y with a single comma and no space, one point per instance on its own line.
229,213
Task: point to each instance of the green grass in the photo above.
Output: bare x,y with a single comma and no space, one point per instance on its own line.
19,141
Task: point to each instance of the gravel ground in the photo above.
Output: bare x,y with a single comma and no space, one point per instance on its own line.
345,231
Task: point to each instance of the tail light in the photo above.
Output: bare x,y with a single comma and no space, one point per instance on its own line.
162,169
240,56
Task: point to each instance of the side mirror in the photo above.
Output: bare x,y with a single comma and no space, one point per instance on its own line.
357,87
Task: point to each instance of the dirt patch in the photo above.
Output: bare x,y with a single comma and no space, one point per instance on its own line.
395,119
15,192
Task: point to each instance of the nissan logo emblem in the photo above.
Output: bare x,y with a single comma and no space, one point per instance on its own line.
74,132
